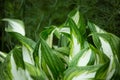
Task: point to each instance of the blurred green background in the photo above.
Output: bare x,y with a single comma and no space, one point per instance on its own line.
38,14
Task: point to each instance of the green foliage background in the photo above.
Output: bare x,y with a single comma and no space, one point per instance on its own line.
38,14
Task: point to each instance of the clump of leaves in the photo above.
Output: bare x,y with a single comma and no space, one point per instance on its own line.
81,51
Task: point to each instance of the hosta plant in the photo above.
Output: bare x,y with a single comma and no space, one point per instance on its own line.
76,50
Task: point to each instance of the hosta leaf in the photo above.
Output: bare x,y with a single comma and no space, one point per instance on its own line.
111,49
62,50
80,57
108,52
64,36
81,73
47,32
96,40
86,57
75,47
64,30
100,57
63,57
46,69
2,56
108,44
14,68
18,73
57,32
29,43
35,72
79,20
53,61
82,25
5,73
16,28
76,39
117,71
113,42
92,58
95,28
74,29
106,48
16,53
28,46
37,55
74,15
102,72
63,41
38,64
48,35
27,55
15,25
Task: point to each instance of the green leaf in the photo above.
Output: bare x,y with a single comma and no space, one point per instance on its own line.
2,56
79,73
76,39
27,48
15,25
62,50
37,55
53,61
17,66
80,57
94,28
27,55
63,41
29,43
14,68
5,73
100,57
35,72
48,35
102,72
64,30
74,15
111,49
18,58
77,17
